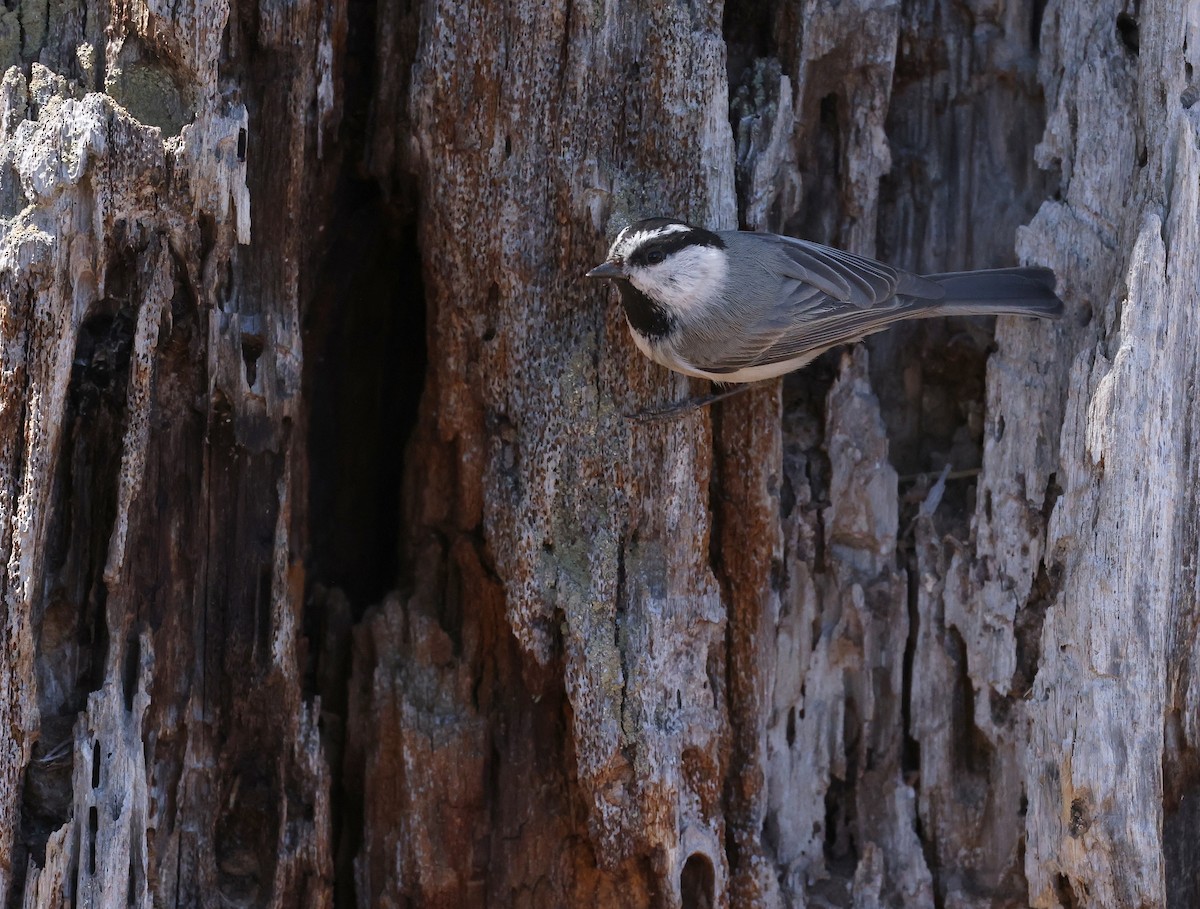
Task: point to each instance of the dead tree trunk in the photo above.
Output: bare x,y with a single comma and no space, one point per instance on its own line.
332,572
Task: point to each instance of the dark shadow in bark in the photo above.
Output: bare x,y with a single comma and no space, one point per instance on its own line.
70,630
364,370
365,364
364,349
1181,850
696,883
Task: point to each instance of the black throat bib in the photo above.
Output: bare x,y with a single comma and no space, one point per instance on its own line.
645,316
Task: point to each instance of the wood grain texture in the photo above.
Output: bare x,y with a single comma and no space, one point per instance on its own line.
159,745
333,572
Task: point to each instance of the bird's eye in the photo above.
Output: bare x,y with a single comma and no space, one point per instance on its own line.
655,256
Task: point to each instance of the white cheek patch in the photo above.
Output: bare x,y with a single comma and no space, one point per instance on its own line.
628,240
688,280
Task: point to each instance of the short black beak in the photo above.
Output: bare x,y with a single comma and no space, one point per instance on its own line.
609,269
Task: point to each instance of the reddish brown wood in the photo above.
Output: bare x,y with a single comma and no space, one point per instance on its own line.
333,572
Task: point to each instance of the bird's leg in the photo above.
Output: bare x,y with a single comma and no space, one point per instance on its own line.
679,408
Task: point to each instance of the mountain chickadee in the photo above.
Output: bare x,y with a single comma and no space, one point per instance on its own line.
735,306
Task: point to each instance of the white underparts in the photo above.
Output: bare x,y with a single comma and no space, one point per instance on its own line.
664,354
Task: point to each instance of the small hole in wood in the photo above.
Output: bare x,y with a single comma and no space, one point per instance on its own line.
241,151
1080,818
95,765
252,348
1065,892
93,832
697,883
1035,24
1127,31
133,658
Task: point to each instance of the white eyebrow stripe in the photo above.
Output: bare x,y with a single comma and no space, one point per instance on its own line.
624,245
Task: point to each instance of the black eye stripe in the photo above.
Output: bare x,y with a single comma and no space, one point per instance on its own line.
672,243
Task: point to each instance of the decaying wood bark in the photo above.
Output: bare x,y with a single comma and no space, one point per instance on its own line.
332,571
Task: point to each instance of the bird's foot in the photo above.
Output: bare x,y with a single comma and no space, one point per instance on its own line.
679,408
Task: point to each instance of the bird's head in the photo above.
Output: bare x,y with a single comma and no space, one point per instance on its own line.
672,262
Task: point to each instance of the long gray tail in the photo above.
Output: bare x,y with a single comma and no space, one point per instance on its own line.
1002,291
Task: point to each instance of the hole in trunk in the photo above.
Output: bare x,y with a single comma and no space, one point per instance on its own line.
365,362
697,883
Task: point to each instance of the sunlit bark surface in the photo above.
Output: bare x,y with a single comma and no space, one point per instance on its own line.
332,572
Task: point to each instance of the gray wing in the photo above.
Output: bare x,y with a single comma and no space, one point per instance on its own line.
826,297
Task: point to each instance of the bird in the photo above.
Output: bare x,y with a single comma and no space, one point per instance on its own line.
737,306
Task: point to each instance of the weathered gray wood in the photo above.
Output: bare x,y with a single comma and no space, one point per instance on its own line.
151,589
756,657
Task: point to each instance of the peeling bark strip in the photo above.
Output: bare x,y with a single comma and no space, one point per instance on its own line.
151,590
292,619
